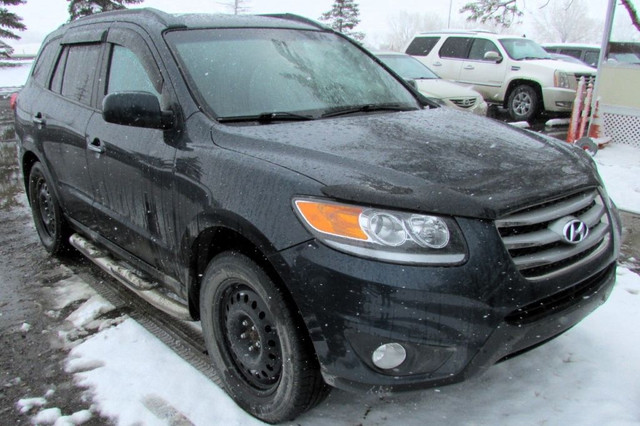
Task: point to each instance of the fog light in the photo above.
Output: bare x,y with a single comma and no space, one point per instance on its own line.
389,355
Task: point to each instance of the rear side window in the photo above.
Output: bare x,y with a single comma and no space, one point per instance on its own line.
421,46
455,47
77,81
44,62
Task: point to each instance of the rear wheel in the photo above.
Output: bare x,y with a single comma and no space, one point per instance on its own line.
47,214
523,103
264,359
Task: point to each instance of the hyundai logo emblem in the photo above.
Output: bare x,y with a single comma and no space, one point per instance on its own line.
575,231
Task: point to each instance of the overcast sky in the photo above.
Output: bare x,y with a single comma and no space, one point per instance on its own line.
43,16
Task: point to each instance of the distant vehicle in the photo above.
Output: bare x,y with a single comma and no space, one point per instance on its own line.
429,84
567,58
513,71
587,53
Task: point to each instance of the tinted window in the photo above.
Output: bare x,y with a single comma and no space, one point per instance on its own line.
481,46
126,73
43,65
455,47
421,46
82,61
591,57
56,80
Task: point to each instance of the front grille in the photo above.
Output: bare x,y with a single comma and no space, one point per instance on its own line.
464,102
588,78
535,237
559,301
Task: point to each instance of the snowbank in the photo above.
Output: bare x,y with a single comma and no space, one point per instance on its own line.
619,166
15,76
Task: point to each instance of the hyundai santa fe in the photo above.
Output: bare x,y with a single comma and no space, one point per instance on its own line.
326,224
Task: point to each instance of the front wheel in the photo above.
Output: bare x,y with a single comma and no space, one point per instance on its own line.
264,359
523,103
46,211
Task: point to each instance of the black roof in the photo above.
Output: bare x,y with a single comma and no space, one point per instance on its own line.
150,17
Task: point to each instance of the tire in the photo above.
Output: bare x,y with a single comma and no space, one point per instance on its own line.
263,357
47,214
523,103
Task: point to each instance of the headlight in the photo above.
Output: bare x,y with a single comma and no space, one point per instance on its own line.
562,79
394,236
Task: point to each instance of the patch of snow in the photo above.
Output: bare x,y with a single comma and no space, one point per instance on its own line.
26,404
25,327
619,166
47,416
71,290
90,310
142,381
76,418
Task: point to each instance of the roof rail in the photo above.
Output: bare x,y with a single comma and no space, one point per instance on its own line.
147,12
297,18
458,32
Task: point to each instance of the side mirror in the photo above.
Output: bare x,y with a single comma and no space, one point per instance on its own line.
138,109
493,56
412,83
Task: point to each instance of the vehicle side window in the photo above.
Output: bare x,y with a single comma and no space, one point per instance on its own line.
43,64
56,80
421,46
481,46
571,52
77,82
126,73
455,47
591,58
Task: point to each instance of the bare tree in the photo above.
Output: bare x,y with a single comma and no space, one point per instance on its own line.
404,25
566,21
236,6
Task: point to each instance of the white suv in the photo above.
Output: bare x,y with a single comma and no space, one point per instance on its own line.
510,70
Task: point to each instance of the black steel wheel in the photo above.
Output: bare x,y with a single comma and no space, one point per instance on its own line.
258,346
523,103
46,212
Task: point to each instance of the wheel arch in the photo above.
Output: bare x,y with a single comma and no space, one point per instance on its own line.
29,158
227,232
519,82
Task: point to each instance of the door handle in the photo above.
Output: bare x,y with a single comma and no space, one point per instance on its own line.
96,146
469,67
39,120
437,64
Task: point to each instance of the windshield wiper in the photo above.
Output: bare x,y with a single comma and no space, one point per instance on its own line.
366,108
267,117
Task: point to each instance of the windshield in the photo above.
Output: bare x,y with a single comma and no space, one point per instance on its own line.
520,48
242,72
408,67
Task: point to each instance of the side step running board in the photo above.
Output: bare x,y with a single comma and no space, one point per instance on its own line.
149,291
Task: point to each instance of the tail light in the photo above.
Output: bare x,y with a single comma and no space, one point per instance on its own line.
13,101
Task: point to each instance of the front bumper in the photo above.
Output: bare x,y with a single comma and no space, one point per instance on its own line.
453,322
557,99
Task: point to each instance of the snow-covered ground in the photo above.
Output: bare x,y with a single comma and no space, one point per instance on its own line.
588,376
619,166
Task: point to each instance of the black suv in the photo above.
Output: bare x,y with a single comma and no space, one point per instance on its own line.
272,179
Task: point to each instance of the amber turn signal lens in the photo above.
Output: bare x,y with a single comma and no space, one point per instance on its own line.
334,219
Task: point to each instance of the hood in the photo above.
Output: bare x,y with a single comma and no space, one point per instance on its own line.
438,160
553,64
443,89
